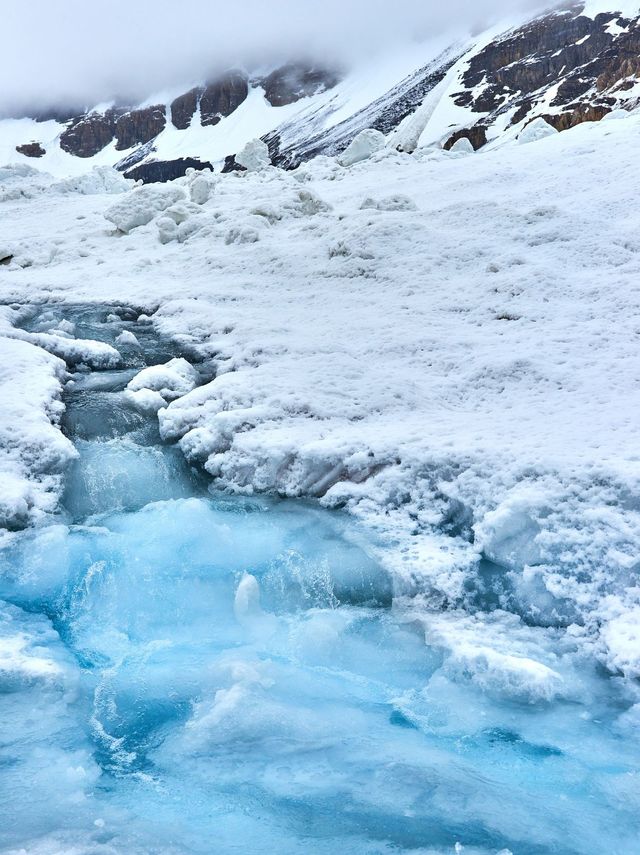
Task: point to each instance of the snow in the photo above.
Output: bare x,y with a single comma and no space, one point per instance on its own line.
536,130
140,206
254,156
462,146
170,381
34,452
362,147
444,346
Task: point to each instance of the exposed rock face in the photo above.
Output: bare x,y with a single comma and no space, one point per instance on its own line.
222,97
294,81
585,64
89,134
165,170
477,136
137,127
32,149
183,108
572,117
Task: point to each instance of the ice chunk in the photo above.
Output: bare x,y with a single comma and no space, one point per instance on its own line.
141,205
536,130
498,655
361,147
126,337
254,156
462,146
247,600
200,189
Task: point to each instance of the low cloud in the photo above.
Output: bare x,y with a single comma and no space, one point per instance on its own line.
81,52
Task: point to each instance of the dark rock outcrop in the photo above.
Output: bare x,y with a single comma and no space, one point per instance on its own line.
231,165
137,127
572,117
221,97
165,170
32,149
294,81
184,107
477,136
89,134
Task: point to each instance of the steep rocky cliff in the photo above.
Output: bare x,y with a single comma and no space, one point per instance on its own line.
566,66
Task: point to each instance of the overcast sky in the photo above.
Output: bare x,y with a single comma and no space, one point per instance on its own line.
85,51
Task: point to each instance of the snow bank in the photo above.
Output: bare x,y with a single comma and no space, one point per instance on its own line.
34,453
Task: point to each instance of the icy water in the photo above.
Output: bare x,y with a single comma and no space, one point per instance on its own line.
184,672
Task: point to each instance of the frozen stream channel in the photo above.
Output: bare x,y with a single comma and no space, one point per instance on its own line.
184,672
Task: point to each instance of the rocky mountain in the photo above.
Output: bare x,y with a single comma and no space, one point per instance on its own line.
569,65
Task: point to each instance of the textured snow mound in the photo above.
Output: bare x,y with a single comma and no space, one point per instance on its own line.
153,387
101,179
141,205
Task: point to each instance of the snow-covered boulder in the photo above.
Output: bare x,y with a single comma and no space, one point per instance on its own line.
362,146
254,156
536,130
141,205
462,146
169,381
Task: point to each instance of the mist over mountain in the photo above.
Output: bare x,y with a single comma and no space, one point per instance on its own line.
77,54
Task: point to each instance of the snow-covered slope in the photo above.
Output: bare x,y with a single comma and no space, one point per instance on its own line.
567,66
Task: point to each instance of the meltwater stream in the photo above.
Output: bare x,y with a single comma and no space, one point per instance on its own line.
182,672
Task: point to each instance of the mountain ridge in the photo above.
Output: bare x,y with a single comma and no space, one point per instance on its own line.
567,65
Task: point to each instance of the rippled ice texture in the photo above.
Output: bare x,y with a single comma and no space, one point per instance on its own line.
202,674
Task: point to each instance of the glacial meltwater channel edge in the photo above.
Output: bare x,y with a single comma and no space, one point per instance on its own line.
188,672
